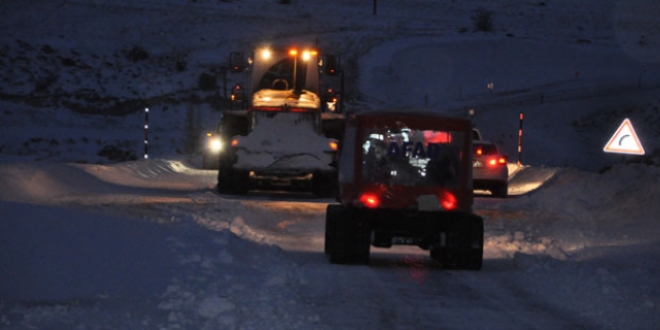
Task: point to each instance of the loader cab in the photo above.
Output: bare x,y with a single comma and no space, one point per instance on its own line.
282,75
292,68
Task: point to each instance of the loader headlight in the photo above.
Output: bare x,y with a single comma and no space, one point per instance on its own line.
215,145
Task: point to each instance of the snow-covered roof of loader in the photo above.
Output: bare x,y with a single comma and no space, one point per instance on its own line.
290,98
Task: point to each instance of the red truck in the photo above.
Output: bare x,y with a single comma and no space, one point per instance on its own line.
405,177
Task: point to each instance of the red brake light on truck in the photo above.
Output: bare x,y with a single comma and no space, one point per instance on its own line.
448,201
369,200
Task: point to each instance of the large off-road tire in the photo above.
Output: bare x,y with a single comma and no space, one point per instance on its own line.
347,237
464,245
331,215
240,183
501,191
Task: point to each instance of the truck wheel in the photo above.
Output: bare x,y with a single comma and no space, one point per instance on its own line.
347,237
464,245
330,217
500,191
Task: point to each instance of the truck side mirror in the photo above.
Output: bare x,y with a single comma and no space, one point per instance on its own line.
238,62
331,65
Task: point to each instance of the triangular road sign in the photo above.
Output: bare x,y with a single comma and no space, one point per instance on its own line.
625,140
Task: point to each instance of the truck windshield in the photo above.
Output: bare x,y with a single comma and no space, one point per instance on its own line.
412,157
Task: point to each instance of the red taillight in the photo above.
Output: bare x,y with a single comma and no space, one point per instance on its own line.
448,201
369,200
478,151
234,142
497,161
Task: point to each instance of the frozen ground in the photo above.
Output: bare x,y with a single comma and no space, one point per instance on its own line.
90,239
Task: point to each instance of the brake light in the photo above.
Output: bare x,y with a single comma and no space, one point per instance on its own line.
497,161
448,201
234,142
478,152
369,200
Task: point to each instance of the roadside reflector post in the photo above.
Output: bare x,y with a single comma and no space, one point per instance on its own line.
520,134
645,68
146,133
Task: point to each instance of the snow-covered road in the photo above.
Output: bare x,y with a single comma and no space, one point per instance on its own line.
150,245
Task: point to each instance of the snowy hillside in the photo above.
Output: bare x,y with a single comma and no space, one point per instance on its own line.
94,237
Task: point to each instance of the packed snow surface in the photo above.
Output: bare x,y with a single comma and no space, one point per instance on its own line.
93,236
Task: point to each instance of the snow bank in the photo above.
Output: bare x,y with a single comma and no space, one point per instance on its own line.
59,271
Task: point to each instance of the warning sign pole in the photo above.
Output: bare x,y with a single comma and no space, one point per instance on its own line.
520,133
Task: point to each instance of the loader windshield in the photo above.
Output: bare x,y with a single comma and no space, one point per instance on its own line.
412,157
279,76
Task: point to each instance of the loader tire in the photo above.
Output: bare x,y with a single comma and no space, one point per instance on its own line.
347,236
231,180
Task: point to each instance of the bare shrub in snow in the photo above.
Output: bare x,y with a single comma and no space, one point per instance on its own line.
207,82
137,54
483,20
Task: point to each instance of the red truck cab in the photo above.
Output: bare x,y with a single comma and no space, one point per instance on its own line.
405,177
